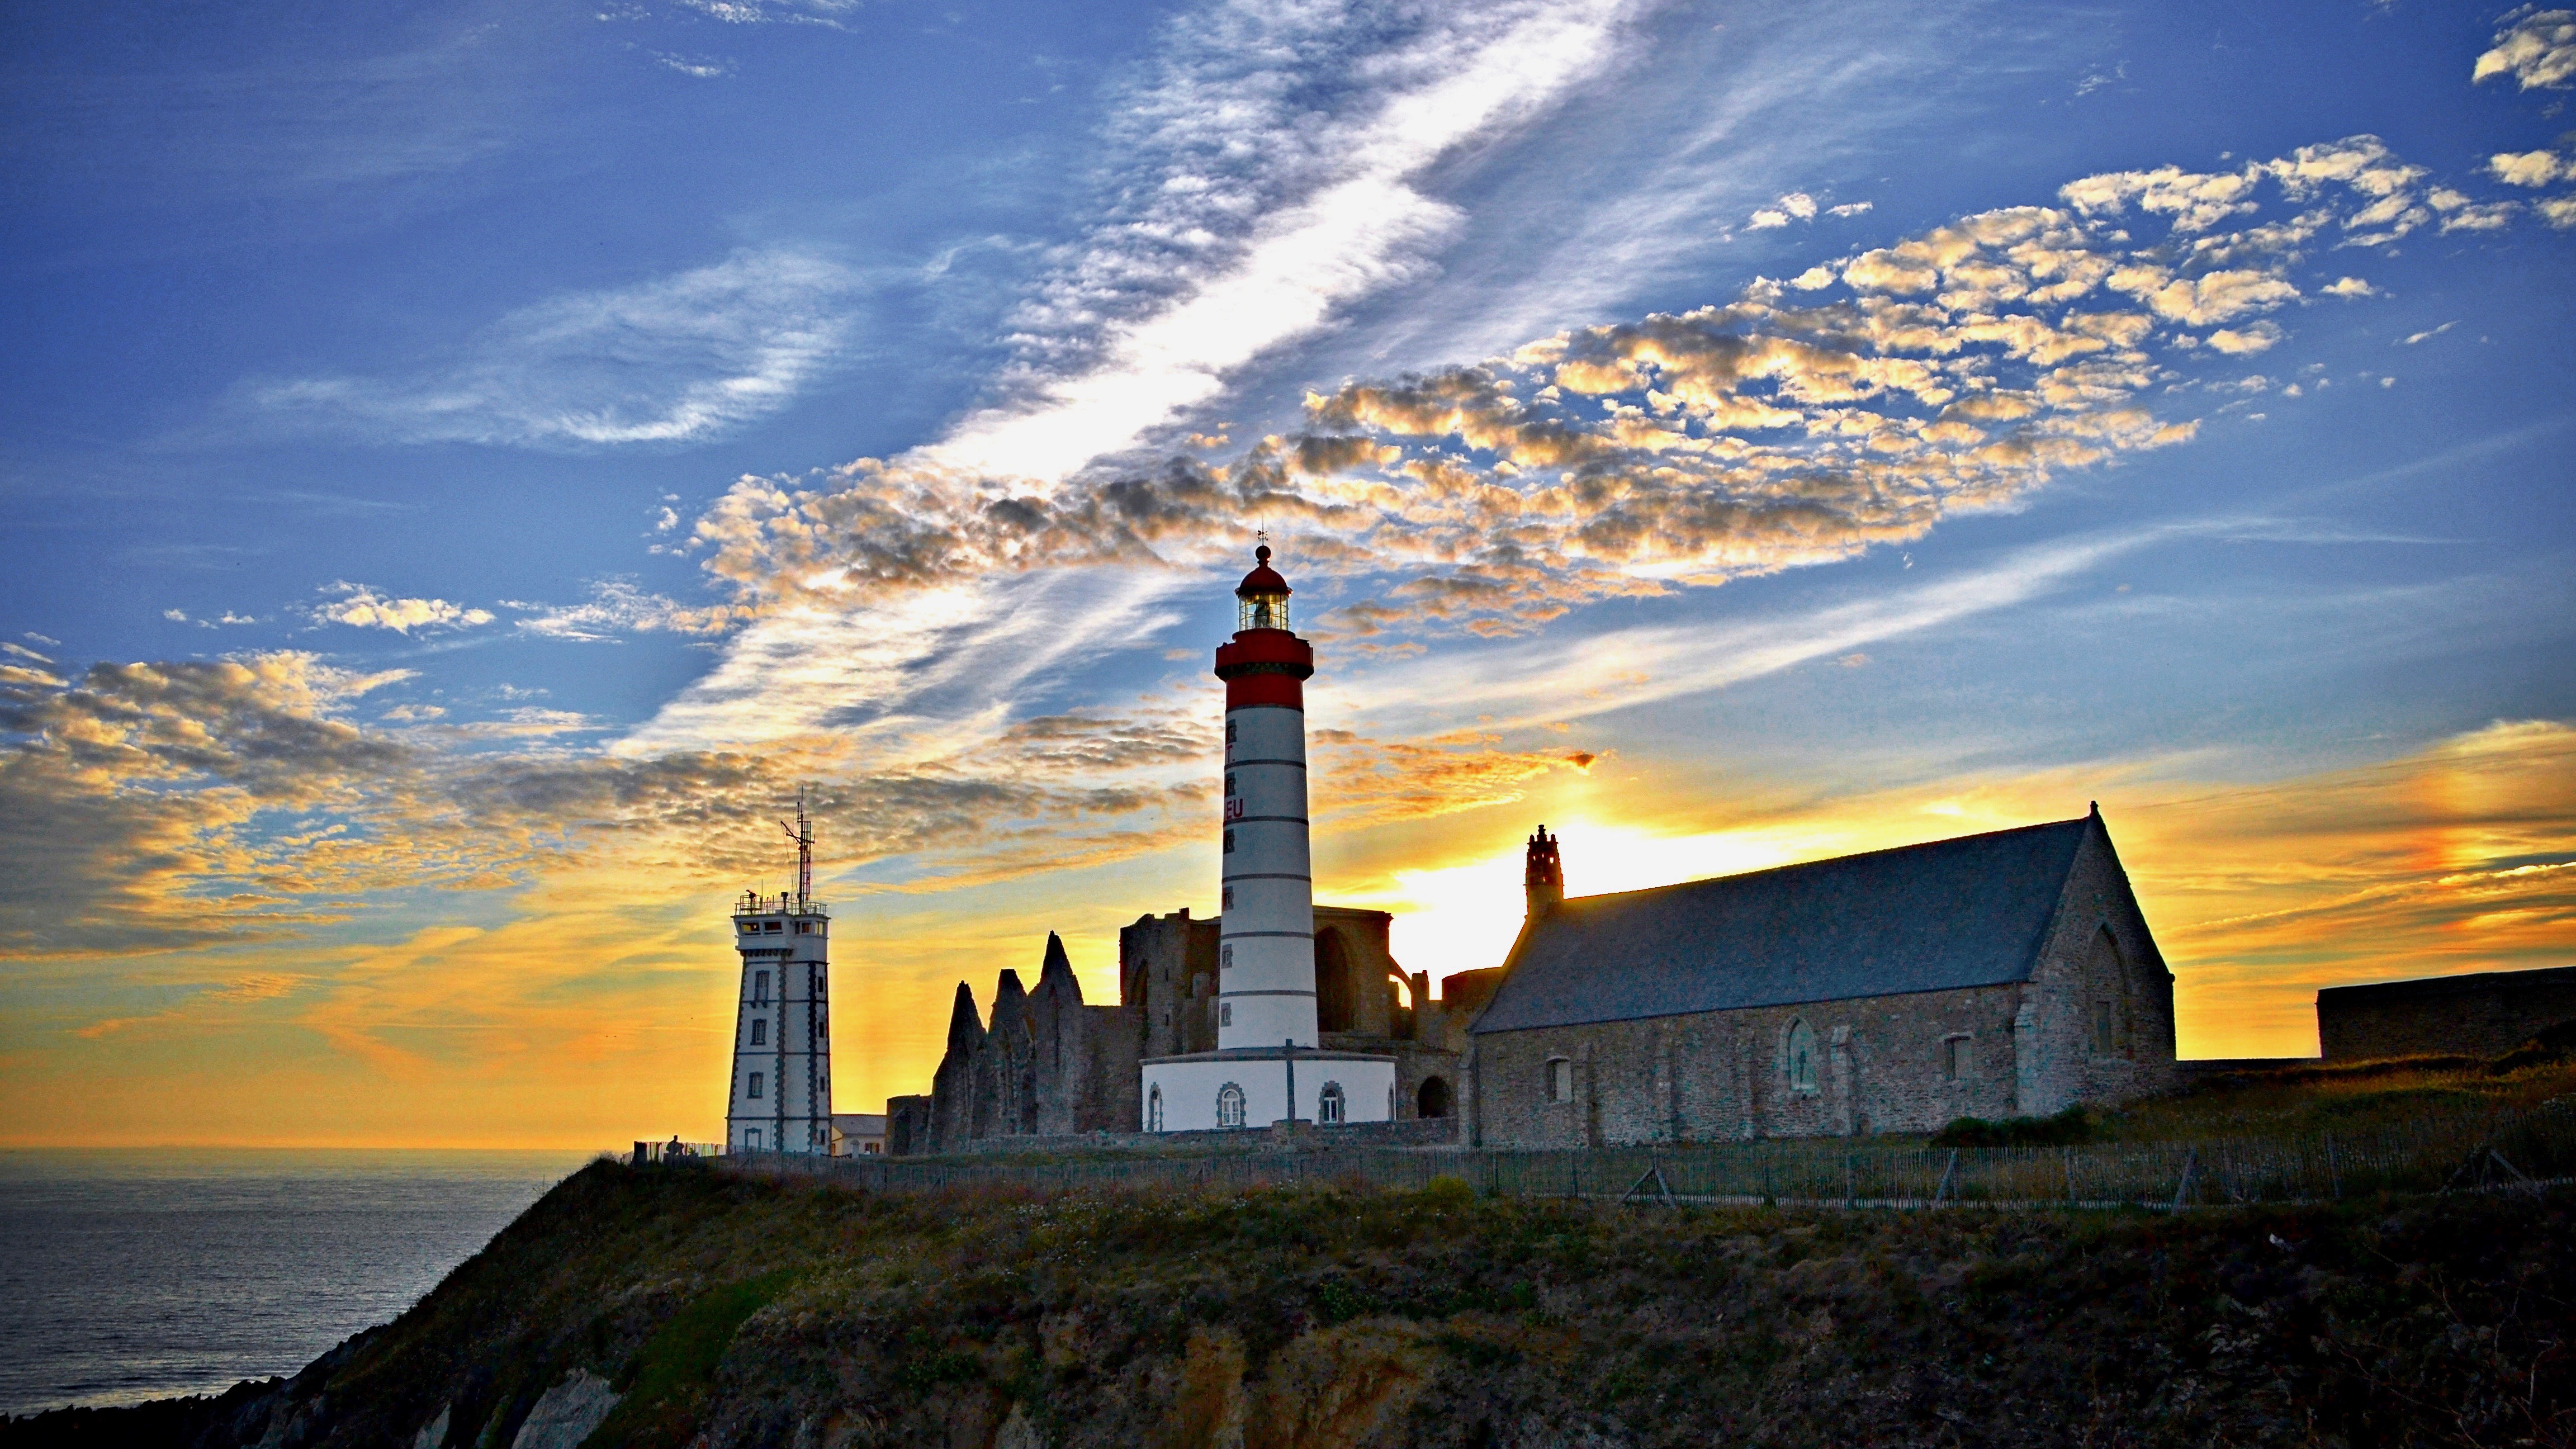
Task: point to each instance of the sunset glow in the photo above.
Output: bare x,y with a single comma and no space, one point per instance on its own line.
456,514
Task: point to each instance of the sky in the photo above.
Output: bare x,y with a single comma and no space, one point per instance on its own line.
470,468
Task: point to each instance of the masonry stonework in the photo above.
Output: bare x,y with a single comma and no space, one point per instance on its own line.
1044,1065
2091,1022
2486,1014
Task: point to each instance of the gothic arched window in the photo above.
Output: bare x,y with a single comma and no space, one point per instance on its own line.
1154,1109
2106,981
1798,1054
1329,1107
1229,1105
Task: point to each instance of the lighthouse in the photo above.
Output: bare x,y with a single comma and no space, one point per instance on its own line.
780,1096
1270,1064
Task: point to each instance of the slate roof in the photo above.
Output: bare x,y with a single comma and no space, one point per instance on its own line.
1935,917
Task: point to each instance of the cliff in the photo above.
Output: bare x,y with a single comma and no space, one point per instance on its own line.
681,1306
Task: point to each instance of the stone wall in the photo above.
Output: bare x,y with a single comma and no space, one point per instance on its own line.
908,1126
2487,1014
1303,1136
1875,1064
2093,1024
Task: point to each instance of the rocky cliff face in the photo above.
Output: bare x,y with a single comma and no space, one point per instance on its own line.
685,1307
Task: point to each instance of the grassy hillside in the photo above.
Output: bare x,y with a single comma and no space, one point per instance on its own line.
743,1312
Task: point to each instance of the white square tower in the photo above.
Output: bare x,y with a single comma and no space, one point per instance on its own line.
780,1096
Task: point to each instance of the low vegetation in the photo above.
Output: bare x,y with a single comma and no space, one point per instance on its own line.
2319,1098
726,1309
746,1312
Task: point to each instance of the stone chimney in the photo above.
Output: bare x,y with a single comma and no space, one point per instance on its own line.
1543,876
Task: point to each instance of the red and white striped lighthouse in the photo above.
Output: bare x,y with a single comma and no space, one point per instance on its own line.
1269,1064
1266,952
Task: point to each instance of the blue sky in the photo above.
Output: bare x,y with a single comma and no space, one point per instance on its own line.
468,466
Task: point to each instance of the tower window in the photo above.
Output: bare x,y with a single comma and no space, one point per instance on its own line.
1229,783
1229,899
1560,1080
1330,1106
1229,732
1229,1105
1229,842
759,1084
1225,956
759,986
1225,1013
760,1031
751,1138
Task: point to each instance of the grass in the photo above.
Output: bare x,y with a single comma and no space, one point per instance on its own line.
735,1309
776,1312
2301,1101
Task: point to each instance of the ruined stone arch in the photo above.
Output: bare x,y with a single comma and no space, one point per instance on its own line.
1337,987
1432,1100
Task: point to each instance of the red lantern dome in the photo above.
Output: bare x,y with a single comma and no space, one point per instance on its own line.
1263,594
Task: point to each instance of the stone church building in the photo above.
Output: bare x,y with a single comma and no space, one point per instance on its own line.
1990,976
1994,975
1046,1064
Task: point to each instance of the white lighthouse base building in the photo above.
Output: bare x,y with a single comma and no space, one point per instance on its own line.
1251,1087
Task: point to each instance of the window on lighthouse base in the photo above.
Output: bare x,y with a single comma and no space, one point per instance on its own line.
1229,1105
1329,1106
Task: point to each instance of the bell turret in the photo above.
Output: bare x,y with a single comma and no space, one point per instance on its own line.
1542,874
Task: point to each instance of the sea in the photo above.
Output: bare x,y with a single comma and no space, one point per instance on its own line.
134,1274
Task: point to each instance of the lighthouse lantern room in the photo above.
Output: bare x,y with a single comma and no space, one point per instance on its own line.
780,1096
1269,1064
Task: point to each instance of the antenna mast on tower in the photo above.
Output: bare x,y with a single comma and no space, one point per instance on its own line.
803,834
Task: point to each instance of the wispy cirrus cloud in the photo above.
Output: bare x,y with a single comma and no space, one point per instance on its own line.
774,12
617,606
1855,405
672,361
1271,175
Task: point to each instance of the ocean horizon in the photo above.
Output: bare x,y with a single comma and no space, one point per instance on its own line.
147,1273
